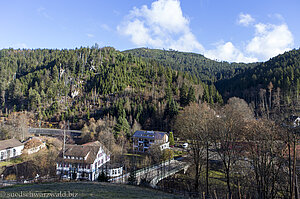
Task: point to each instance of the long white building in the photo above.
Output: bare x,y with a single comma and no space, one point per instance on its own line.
10,148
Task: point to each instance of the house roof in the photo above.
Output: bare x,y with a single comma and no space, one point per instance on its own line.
97,143
148,134
5,144
33,142
76,150
89,149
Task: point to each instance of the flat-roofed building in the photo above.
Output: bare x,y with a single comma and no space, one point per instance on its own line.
142,140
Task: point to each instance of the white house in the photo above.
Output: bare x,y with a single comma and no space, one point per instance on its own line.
10,149
82,161
112,170
115,172
142,140
33,145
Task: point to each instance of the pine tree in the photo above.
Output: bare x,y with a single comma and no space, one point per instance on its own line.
205,96
191,95
183,95
171,139
171,108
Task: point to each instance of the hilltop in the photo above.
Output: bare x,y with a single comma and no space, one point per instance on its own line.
196,64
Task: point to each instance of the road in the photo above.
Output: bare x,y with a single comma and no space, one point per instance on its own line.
53,132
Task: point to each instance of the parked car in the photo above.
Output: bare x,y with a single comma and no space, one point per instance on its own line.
185,145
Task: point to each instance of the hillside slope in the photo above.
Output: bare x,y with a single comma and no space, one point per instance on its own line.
274,84
79,84
206,69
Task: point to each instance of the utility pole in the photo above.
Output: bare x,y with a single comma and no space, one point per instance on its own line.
64,146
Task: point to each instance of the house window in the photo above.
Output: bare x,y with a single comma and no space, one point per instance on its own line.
2,156
8,153
14,152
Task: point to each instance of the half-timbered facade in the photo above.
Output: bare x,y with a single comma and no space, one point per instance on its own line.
82,161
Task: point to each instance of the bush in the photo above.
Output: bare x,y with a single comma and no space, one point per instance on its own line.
167,154
11,177
103,177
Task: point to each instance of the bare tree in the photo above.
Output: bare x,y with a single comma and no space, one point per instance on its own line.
227,134
265,155
270,88
102,130
193,123
15,126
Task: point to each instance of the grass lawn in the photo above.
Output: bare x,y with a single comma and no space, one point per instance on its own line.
90,190
11,162
133,154
179,153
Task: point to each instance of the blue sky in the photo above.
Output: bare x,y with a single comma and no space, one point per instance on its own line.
230,30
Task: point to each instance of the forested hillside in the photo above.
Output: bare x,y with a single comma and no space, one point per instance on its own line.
75,85
271,87
199,66
142,86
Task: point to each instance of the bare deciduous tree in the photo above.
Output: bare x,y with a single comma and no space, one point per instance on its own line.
193,123
15,126
227,133
266,158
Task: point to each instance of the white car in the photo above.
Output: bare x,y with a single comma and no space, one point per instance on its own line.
185,145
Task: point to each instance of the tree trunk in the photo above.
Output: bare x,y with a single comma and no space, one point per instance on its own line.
228,182
197,179
294,168
207,189
290,168
239,189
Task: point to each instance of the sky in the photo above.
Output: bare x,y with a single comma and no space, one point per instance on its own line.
227,30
